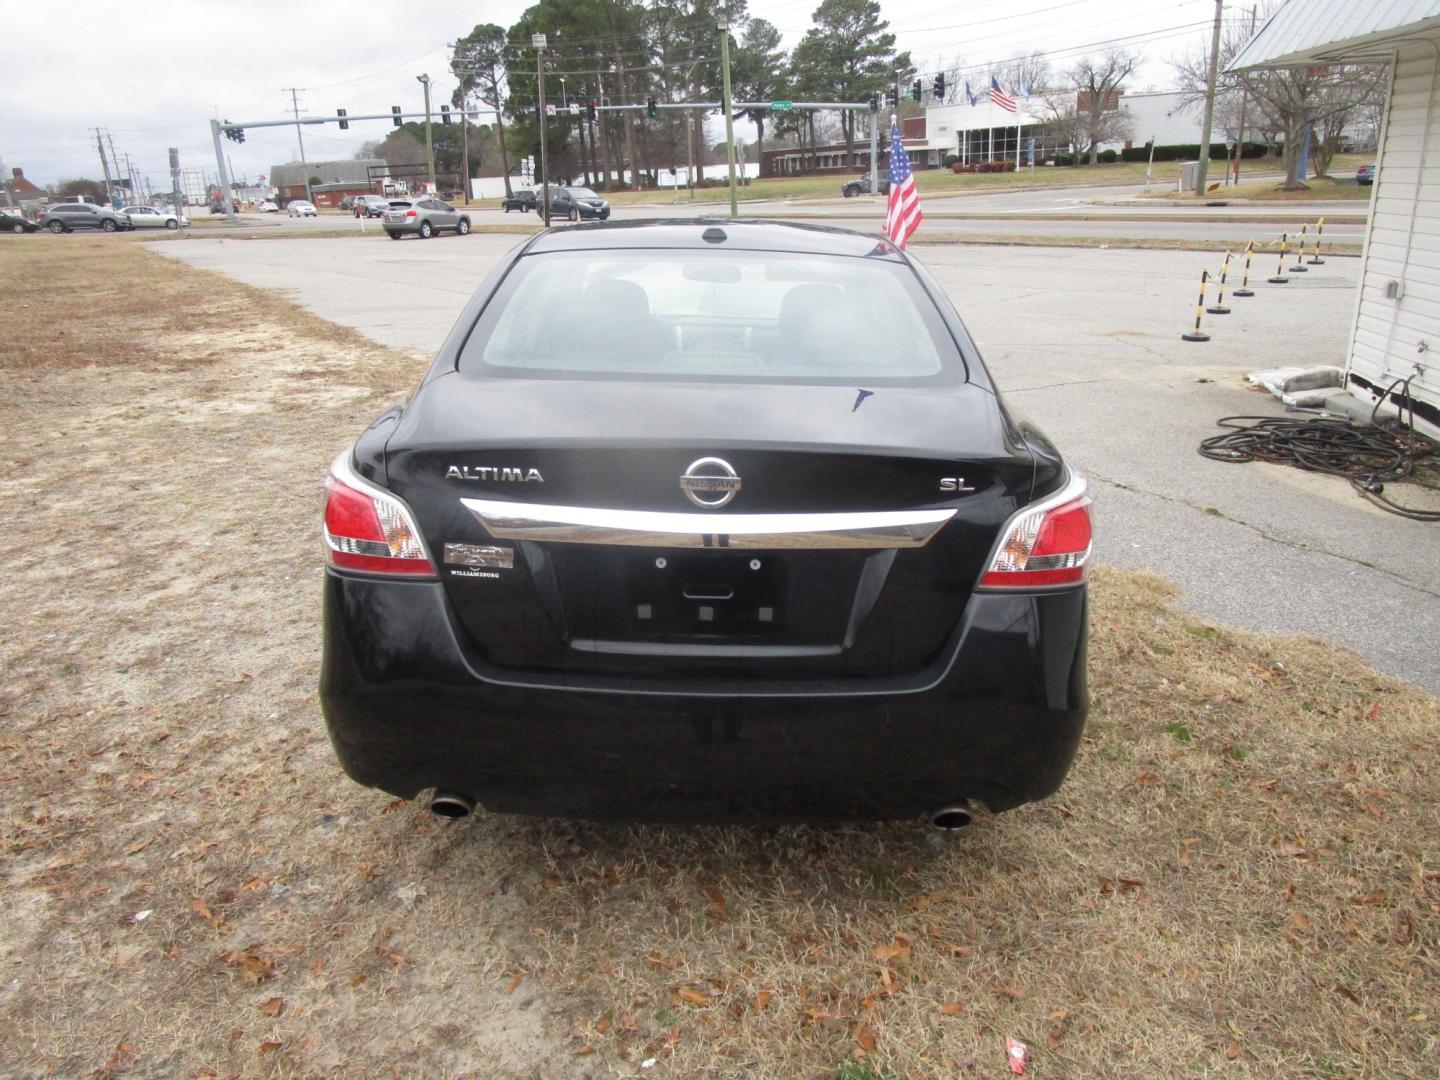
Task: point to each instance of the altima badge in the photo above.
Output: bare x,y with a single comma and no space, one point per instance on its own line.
709,482
491,472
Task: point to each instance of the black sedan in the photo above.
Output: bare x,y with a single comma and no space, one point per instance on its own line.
699,521
12,222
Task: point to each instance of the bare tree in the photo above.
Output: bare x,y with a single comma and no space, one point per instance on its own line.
1285,102
1097,81
1025,73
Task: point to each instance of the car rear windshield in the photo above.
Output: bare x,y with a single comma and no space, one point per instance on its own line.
711,315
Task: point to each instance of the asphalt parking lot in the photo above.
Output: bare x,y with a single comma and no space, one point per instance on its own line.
1087,343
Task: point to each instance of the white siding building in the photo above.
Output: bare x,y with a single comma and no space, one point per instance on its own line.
1396,331
1164,117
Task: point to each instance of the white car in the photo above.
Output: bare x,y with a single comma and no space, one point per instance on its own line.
301,208
151,217
269,206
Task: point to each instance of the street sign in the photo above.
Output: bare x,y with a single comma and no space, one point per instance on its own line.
574,110
549,110
781,106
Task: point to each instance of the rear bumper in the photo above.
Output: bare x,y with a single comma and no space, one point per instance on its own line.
997,717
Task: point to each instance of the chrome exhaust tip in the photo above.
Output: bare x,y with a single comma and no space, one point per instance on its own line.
451,804
953,818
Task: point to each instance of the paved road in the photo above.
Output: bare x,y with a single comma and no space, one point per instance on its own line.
1085,341
994,213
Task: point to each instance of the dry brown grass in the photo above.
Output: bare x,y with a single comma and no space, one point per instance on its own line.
1240,878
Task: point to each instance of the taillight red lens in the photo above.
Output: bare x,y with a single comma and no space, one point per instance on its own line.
370,532
1049,545
409,213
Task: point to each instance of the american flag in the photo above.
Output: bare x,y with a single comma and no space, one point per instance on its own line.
1000,97
902,216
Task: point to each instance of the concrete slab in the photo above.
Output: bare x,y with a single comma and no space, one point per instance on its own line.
1087,343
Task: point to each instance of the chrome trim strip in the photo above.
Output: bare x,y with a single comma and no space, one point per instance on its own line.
646,528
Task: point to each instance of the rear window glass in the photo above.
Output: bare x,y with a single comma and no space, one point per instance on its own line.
712,315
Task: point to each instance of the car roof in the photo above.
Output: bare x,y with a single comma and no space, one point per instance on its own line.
737,235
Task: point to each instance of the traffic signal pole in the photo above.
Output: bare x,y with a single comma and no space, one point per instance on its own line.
221,170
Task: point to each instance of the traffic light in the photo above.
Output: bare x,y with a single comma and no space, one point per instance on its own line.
916,90
874,102
444,114
395,115
591,110
235,134
940,88
651,110
344,124
892,98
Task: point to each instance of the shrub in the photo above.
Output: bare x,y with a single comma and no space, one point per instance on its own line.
950,160
1190,152
1108,156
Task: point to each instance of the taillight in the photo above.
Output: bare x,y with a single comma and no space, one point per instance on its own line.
1045,544
409,213
367,529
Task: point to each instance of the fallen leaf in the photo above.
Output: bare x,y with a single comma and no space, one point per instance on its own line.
274,1007
761,1000
1147,778
1011,992
584,1050
1233,1050
865,1038
199,907
267,1047
1348,994
951,1008
694,997
1374,896
515,982
900,950
134,849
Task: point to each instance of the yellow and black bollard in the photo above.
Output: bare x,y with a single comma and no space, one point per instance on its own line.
1219,308
1244,289
1299,267
1196,335
1315,259
1280,278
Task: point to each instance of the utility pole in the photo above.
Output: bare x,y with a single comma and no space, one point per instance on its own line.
424,80
104,162
464,140
729,116
294,92
175,192
1204,163
538,40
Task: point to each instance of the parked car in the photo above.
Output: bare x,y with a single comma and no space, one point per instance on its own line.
522,199
369,205
779,597
424,217
67,217
153,217
301,208
347,202
1365,175
576,204
10,221
269,206
861,185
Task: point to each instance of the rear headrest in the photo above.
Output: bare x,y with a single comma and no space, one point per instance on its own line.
620,296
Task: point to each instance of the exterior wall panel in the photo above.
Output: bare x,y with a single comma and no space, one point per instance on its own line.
1402,242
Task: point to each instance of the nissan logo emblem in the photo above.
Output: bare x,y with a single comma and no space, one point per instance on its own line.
709,482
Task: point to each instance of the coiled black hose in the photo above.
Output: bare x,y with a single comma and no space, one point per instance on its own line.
1370,457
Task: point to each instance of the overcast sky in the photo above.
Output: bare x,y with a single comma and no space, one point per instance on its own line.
154,80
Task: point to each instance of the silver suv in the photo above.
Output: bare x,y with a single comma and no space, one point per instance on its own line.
424,216
67,217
